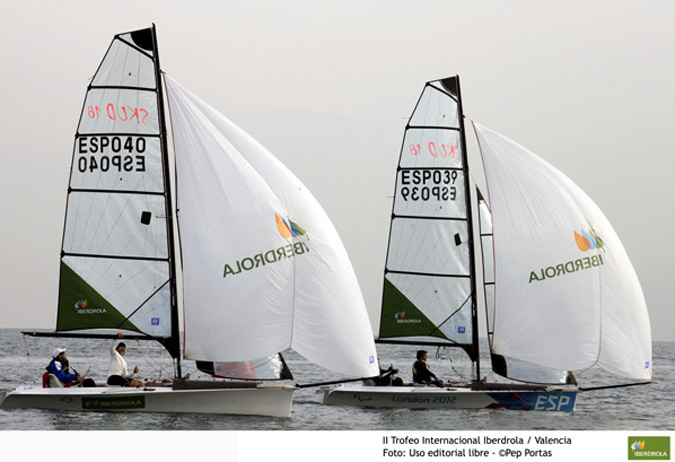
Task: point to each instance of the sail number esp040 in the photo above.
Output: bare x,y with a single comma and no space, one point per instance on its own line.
111,153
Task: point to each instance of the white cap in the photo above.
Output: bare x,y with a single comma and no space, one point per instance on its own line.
58,351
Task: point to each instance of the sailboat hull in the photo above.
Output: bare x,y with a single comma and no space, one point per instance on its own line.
454,398
265,399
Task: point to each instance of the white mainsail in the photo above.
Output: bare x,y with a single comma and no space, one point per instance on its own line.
115,266
566,294
261,259
428,284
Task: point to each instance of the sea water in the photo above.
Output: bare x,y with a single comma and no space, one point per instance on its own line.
640,408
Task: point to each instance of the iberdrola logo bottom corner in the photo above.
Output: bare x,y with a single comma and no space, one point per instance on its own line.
649,448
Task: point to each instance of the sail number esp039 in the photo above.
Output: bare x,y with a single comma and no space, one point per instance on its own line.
428,185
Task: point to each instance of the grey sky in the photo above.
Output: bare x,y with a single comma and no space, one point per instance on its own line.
586,85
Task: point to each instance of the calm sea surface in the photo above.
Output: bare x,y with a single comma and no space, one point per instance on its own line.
649,407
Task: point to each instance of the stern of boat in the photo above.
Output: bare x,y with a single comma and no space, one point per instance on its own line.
3,394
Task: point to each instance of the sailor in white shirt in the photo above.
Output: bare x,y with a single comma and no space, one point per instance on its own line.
117,368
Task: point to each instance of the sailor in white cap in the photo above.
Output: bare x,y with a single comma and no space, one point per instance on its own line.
60,368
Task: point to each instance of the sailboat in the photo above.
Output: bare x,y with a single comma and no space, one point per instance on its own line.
559,291
246,253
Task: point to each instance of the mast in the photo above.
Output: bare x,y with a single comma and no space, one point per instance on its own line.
470,224
173,345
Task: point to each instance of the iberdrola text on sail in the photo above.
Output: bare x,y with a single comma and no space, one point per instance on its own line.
261,259
571,266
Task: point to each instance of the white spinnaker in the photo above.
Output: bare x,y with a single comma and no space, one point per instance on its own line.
279,292
556,304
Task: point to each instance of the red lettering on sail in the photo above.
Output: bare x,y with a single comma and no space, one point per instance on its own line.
436,150
120,113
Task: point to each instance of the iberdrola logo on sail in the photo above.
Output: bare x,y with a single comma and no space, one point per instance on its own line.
585,241
588,240
288,229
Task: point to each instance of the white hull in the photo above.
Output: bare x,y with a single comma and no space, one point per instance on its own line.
266,399
427,397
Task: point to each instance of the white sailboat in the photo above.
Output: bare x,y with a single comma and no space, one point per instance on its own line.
253,257
560,292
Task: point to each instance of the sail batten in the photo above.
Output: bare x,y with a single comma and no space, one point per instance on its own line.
413,273
432,127
122,87
113,257
118,191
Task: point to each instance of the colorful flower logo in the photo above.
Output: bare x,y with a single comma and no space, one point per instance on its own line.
400,315
588,240
81,304
638,446
288,228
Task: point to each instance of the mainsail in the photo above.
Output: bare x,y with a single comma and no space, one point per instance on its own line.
117,255
566,295
429,287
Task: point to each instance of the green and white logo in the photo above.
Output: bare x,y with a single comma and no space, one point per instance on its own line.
109,404
649,448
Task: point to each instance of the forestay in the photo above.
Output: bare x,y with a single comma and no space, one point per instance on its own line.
566,295
261,259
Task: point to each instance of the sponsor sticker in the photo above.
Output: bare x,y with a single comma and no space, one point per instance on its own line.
649,448
113,404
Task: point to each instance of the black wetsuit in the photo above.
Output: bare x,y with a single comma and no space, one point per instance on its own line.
422,374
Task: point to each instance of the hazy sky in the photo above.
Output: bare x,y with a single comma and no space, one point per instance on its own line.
328,89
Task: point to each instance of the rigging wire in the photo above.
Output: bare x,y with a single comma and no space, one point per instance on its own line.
28,354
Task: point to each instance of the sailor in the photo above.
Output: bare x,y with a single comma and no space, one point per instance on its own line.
387,376
421,372
117,368
60,369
